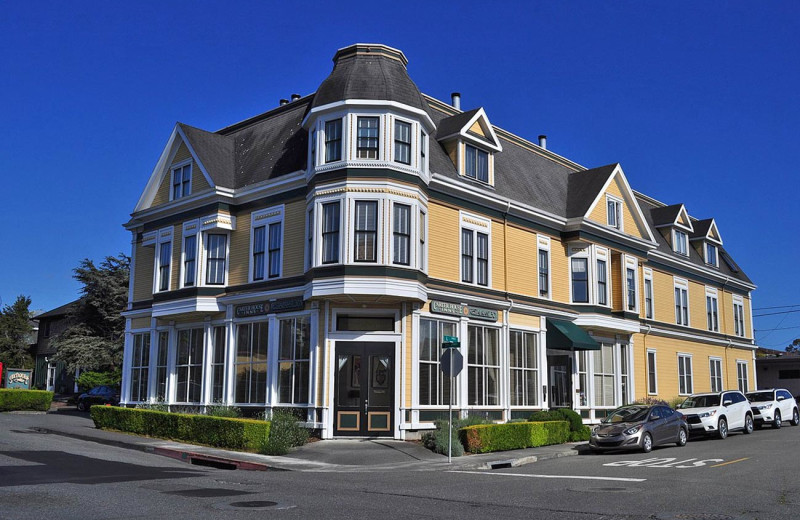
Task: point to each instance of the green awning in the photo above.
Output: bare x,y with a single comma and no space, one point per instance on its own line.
565,335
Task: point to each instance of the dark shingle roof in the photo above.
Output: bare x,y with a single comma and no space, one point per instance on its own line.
701,228
215,153
584,187
665,215
59,311
453,124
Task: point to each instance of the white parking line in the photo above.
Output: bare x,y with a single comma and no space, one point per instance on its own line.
572,477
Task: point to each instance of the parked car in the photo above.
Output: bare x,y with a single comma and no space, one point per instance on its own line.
98,395
773,406
641,427
718,413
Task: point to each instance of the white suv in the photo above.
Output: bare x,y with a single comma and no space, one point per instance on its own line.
719,412
773,406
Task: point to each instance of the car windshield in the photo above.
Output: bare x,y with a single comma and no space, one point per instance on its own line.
760,396
701,401
629,414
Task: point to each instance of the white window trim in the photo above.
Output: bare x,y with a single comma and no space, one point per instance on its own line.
711,292
584,252
648,276
318,222
691,373
414,145
502,365
620,207
655,369
681,283
543,243
367,313
538,370
462,162
265,217
631,263
190,228
706,245
738,300
475,224
202,271
685,241
601,253
352,129
380,229
164,235
176,166
717,359
745,364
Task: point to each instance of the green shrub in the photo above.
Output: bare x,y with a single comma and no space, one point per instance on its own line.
651,401
577,430
484,438
546,415
220,432
159,406
675,401
14,399
284,434
88,380
223,410
436,440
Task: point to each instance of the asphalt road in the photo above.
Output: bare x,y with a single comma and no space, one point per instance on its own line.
52,477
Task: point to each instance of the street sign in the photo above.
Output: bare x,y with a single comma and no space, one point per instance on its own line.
457,365
451,342
450,339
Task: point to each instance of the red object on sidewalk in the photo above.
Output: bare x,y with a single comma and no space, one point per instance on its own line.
2,383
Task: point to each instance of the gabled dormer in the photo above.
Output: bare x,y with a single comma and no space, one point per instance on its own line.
674,223
471,142
707,241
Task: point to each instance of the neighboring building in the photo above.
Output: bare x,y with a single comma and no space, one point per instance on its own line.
315,256
49,374
779,370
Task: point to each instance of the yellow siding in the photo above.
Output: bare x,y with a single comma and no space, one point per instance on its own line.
682,219
524,320
294,238
498,256
177,248
616,282
143,273
476,127
747,323
600,212
140,323
522,256
199,182
444,236
408,358
730,369
663,297
240,251
697,306
559,271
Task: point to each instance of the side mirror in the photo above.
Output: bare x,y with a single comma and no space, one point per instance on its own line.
781,398
727,403
653,417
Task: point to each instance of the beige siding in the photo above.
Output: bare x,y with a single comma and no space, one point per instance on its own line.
177,249
616,282
408,359
443,242
240,251
140,323
294,238
663,297
697,306
498,257
600,212
143,273
476,127
522,257
559,271
524,320
199,182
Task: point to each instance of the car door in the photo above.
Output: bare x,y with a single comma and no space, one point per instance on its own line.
655,424
742,407
786,404
672,424
731,411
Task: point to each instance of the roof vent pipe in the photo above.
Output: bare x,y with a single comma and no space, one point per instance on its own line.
456,97
295,97
284,102
543,141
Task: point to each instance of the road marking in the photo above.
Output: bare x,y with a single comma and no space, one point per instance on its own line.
572,477
669,462
729,462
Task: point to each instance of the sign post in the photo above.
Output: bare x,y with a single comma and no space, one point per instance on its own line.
451,363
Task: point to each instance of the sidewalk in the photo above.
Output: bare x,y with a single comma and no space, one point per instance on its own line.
341,455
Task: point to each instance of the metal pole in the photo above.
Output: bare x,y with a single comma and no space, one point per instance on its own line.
450,425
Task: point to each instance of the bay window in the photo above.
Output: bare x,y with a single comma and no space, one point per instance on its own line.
251,362
333,140
189,366
401,234
189,260
524,368
140,361
602,285
217,364
293,359
367,140
331,216
216,253
366,231
434,386
483,366
402,142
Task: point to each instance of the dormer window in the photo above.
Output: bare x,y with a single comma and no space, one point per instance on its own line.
333,140
614,207
402,142
367,147
711,255
680,242
181,181
476,163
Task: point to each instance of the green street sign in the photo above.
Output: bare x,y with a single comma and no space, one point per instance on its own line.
450,339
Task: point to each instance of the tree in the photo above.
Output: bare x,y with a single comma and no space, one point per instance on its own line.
95,340
15,330
794,348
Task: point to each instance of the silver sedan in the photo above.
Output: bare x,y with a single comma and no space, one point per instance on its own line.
639,426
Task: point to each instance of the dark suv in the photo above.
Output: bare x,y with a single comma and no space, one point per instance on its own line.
98,395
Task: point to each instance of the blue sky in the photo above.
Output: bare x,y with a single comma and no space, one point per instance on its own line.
697,100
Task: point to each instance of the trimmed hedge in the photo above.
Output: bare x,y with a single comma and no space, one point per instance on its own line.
14,399
484,438
577,430
220,432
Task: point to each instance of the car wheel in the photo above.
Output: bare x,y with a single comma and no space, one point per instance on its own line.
647,443
776,423
722,429
682,437
82,406
748,424
795,417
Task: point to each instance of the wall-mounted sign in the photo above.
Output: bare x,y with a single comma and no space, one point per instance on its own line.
456,309
18,378
249,310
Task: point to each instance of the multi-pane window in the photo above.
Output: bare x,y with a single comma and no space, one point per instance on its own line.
422,238
333,140
544,273
474,257
685,375
524,366
681,245
423,144
652,374
140,361
330,232
293,360
648,298
712,314
738,319
367,142
681,306
401,234
711,254
402,142
366,231
614,208
482,256
580,280
161,366
630,277
467,253
251,362
715,370
624,374
476,163
216,251
604,375
274,251
602,285
189,366
259,252
189,260
434,386
310,239
582,392
181,181
164,262
313,148
741,376
217,364
483,366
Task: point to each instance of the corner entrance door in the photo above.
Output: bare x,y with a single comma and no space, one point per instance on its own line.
51,377
364,400
560,381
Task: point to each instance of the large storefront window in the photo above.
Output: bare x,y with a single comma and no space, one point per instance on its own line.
434,387
483,362
604,376
295,341
217,364
583,378
139,366
523,360
161,366
189,366
251,363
